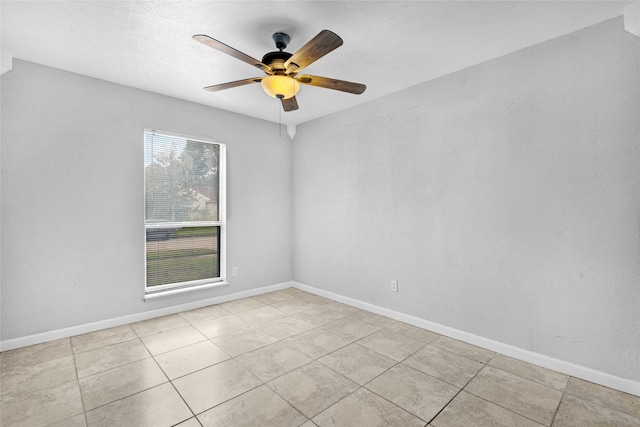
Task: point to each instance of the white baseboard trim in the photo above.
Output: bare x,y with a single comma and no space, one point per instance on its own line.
588,374
131,318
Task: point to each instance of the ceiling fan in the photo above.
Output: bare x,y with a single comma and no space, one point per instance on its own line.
282,80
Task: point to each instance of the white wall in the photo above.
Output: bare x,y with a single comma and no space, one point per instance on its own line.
504,198
72,197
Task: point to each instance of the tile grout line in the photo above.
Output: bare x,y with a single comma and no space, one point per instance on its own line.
287,401
185,402
262,383
116,367
450,400
312,361
380,374
530,379
597,403
506,409
555,414
104,346
462,388
495,403
75,367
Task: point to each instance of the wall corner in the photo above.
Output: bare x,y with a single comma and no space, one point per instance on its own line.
6,61
632,18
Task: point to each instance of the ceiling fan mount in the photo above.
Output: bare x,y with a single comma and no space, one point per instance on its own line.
281,68
281,40
276,60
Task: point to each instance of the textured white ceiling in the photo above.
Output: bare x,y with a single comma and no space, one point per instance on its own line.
388,46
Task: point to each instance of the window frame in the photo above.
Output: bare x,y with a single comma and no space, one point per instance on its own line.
171,289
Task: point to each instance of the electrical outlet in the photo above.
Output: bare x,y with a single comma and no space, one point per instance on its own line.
234,271
394,286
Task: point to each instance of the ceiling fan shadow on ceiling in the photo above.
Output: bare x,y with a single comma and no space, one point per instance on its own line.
281,68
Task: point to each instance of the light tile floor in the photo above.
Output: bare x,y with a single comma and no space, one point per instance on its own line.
290,358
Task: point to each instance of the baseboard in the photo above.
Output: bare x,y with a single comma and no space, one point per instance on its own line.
131,318
588,374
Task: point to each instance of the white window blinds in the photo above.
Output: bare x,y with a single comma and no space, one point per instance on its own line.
184,211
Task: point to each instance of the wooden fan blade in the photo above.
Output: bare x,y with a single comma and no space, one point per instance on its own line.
290,104
324,42
229,85
341,85
231,51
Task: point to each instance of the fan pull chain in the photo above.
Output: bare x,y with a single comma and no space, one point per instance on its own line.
279,116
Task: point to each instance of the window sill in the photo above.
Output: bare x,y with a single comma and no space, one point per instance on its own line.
180,291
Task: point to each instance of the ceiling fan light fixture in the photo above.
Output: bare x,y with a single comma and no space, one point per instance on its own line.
279,86
282,67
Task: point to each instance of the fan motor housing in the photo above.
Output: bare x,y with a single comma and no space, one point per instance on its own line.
276,60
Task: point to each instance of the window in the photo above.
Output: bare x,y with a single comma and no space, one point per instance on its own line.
184,214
